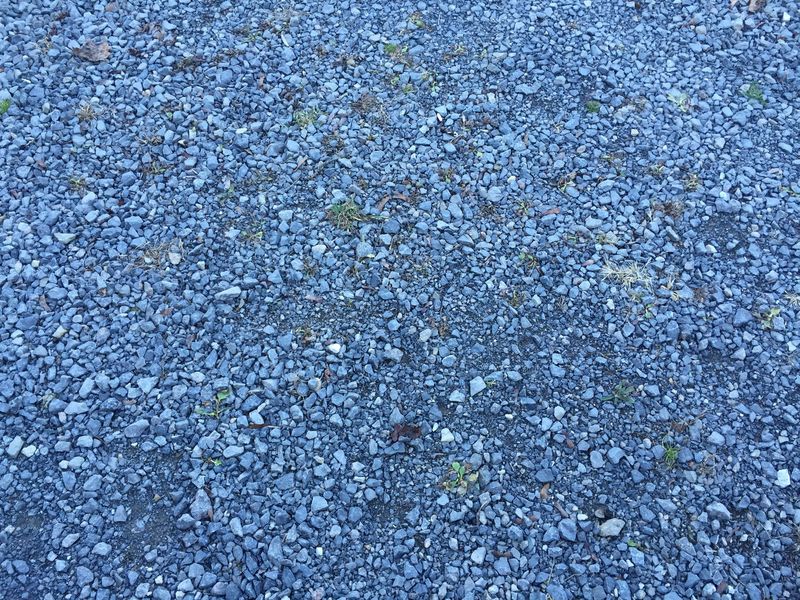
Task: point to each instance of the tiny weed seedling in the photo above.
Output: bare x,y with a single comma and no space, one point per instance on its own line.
5,104
592,107
529,261
306,117
216,406
622,392
565,182
680,100
454,52
633,544
691,182
754,92
77,183
346,214
416,20
459,478
768,317
516,298
397,53
670,457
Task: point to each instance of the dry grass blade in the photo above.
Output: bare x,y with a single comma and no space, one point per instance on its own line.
92,52
630,275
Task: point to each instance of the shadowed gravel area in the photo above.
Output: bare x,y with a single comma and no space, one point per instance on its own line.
399,300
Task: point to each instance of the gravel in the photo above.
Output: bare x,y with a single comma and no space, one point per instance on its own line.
399,300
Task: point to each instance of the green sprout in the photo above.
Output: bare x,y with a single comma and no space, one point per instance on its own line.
622,392
215,407
460,478
592,106
754,92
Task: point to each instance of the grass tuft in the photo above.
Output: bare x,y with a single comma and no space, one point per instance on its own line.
306,117
346,214
754,92
630,275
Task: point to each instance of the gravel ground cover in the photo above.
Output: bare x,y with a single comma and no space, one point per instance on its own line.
399,300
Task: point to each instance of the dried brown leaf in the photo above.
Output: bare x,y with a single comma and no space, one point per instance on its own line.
410,431
92,52
544,493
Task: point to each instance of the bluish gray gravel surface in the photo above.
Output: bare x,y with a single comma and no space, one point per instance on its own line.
399,300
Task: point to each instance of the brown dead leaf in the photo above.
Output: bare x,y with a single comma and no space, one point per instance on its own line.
410,431
544,493
92,52
382,202
756,5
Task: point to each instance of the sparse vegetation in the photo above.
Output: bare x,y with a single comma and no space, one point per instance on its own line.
460,477
680,100
346,214
529,261
5,105
754,92
455,51
630,275
416,19
516,298
77,183
304,118
767,317
671,208
622,392
87,112
691,182
397,53
670,457
592,106
566,181
216,406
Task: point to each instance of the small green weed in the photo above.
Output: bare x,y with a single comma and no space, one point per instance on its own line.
306,117
5,104
768,316
216,406
680,100
416,19
622,392
691,182
529,261
77,183
397,53
460,477
670,457
346,214
592,107
754,92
